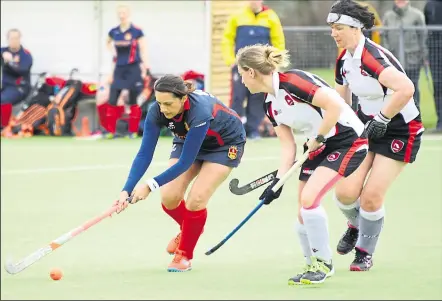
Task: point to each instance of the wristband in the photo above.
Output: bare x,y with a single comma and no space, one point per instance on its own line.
381,118
153,185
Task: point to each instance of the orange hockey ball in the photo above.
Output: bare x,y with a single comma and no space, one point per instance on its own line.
56,274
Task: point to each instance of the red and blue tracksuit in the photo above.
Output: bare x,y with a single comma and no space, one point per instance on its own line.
16,81
244,29
127,75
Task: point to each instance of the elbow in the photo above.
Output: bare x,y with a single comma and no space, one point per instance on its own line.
408,90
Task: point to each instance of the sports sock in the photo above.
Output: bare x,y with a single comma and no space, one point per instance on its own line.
193,226
303,241
351,212
111,118
102,113
6,112
177,213
315,223
134,118
370,227
113,114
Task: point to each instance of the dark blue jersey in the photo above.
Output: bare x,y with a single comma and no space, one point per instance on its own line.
17,72
206,124
126,44
225,129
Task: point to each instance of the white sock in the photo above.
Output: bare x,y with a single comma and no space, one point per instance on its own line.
316,225
303,240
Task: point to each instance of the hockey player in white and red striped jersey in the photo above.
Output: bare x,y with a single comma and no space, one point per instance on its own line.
300,100
392,121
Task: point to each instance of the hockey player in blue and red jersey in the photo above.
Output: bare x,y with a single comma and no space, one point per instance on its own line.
209,142
128,45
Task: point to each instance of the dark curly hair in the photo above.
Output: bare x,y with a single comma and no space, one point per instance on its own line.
174,84
354,10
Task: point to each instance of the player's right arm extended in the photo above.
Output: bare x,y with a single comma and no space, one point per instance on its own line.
288,148
144,155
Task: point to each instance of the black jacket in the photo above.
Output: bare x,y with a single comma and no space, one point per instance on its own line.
433,12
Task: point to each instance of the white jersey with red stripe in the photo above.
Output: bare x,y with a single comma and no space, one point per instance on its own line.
361,73
291,105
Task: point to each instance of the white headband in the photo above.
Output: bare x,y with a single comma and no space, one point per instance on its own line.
344,19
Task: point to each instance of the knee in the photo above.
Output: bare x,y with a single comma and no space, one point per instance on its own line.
347,195
308,200
371,199
170,199
196,202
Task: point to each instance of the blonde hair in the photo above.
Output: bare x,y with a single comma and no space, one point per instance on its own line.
263,58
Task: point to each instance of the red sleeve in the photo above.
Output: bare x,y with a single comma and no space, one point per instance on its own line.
373,61
299,85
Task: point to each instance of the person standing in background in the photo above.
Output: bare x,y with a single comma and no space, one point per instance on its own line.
255,24
16,63
414,41
433,16
129,48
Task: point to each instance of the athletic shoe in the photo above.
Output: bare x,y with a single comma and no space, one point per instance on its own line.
296,280
173,244
180,263
318,272
132,135
363,261
348,241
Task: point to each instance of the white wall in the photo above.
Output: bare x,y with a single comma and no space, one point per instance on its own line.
65,34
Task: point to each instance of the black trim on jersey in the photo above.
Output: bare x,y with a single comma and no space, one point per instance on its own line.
298,84
268,110
339,76
321,80
372,61
370,52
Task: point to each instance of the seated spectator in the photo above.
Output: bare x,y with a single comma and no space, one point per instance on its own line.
16,63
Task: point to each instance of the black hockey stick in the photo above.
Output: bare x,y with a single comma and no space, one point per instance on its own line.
72,72
233,185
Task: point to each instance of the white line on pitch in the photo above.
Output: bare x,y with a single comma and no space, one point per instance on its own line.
127,166
98,167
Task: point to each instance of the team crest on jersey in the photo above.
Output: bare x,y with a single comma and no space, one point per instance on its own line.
290,100
363,71
128,37
233,152
397,145
333,156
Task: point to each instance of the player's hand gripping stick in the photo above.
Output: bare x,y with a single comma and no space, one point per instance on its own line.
275,188
14,268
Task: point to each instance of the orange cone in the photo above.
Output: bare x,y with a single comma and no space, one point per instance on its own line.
85,128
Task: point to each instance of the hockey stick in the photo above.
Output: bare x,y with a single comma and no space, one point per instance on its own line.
14,268
233,185
73,71
278,185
